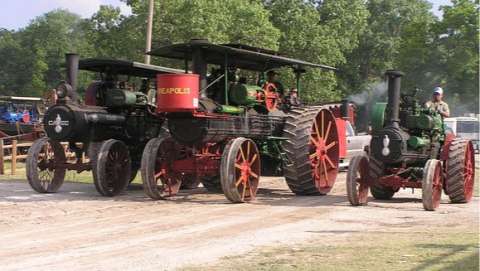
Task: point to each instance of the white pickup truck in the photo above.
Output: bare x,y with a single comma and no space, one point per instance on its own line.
356,143
465,127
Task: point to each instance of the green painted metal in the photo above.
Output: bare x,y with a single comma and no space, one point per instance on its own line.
378,115
418,142
229,109
242,94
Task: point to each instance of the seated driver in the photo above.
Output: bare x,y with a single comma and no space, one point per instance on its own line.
272,78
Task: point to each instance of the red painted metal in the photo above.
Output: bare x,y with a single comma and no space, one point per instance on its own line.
397,182
247,170
342,137
324,150
469,172
177,92
437,186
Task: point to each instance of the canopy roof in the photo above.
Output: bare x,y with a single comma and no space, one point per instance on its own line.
238,56
123,67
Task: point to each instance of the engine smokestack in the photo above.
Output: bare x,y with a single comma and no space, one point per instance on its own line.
72,73
393,106
344,108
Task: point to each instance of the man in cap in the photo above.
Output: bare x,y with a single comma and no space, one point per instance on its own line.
437,104
272,78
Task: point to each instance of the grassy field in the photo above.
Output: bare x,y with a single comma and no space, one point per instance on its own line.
71,176
372,251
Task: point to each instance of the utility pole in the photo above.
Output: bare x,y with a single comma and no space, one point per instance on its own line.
148,45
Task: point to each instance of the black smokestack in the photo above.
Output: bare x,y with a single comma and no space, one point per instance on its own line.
393,106
72,73
344,108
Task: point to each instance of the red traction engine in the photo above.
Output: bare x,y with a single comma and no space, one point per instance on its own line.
224,132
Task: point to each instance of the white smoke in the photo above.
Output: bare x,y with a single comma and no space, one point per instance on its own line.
374,92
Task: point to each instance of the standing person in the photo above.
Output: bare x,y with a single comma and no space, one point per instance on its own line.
437,104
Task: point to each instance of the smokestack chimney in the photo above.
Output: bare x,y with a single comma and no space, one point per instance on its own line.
393,106
344,109
72,72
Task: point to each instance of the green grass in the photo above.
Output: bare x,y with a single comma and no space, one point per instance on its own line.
71,176
435,250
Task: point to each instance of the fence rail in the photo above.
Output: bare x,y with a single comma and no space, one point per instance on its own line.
12,152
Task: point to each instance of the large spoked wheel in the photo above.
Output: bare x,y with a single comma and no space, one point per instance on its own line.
324,151
312,149
113,168
357,180
240,170
432,184
43,173
460,171
159,178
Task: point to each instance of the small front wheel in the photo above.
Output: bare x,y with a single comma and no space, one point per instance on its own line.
357,180
158,177
44,169
432,184
113,168
240,170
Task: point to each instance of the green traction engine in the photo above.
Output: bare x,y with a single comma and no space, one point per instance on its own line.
410,149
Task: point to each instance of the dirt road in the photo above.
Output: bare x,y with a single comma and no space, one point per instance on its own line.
78,230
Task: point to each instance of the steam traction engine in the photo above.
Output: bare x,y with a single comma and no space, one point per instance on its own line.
409,148
226,126
111,127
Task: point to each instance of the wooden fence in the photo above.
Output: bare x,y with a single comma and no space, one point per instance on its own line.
11,152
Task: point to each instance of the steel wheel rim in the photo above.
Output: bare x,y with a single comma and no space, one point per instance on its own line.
361,182
437,186
469,172
165,180
247,168
324,151
116,166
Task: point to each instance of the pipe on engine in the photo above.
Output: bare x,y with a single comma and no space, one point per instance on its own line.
393,105
344,108
72,72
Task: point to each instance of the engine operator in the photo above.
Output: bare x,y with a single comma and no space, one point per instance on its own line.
272,78
437,104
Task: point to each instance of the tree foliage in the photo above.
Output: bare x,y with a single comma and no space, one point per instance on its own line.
361,38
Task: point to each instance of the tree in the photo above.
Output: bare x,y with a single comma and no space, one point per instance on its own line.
320,32
381,42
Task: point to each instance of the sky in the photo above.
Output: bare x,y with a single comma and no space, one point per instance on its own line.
15,14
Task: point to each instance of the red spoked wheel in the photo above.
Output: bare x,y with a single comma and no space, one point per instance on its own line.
432,185
357,180
460,171
43,158
240,170
158,177
324,151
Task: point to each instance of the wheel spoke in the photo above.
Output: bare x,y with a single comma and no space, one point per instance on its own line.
321,121
248,149
255,175
253,159
330,145
324,165
242,154
329,161
314,141
238,166
315,125
243,192
327,133
313,155
240,179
